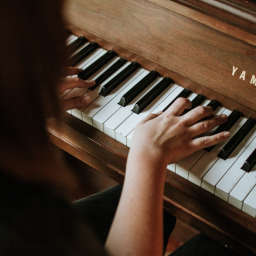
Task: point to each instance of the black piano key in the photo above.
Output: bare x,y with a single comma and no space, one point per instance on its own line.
138,88
249,162
95,66
232,119
214,104
184,94
87,50
237,138
123,75
76,44
198,100
152,94
109,72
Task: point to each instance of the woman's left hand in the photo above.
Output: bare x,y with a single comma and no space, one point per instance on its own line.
74,91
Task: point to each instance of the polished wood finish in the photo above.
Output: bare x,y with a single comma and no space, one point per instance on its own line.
197,45
161,32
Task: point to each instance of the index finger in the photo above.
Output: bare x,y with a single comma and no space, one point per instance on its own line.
75,82
72,71
178,107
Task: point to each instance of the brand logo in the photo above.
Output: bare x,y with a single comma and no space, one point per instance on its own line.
243,75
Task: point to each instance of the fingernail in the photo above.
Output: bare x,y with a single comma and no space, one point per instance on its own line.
226,134
223,116
92,82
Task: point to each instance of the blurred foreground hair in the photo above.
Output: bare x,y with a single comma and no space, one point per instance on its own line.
33,54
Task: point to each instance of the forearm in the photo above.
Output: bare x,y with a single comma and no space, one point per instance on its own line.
137,228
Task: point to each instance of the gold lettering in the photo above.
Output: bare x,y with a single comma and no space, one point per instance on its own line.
242,76
253,80
234,70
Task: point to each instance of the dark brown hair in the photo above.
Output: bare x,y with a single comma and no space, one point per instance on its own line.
32,58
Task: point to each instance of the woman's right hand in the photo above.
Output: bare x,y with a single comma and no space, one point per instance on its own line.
171,136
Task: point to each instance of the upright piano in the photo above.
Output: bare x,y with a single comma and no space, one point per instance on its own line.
145,53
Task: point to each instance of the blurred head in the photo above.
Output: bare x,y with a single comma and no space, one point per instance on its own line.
31,64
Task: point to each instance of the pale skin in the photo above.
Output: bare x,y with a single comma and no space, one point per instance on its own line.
74,91
158,140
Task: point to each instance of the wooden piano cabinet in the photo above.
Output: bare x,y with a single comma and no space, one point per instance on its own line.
203,48
193,44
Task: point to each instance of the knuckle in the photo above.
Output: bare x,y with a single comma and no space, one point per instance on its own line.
183,101
205,126
205,141
182,123
220,136
201,110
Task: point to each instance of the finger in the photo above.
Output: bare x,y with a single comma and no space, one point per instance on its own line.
70,83
197,114
150,117
72,71
78,102
178,107
205,126
208,141
73,93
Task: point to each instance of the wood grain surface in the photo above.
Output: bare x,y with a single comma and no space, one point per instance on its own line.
178,43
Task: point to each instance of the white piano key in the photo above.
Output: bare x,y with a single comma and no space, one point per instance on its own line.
181,168
125,112
126,127
206,161
242,189
104,68
129,139
91,58
171,167
71,39
190,161
249,205
234,174
174,91
80,48
109,110
168,99
77,113
101,101
122,113
221,166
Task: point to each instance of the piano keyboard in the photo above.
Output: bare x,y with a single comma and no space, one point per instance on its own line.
125,93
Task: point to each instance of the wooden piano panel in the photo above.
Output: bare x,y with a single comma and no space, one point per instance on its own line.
196,51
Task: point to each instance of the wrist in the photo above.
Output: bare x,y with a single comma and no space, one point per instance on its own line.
151,156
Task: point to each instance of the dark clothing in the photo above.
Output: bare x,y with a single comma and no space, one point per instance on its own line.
35,220
99,209
202,246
